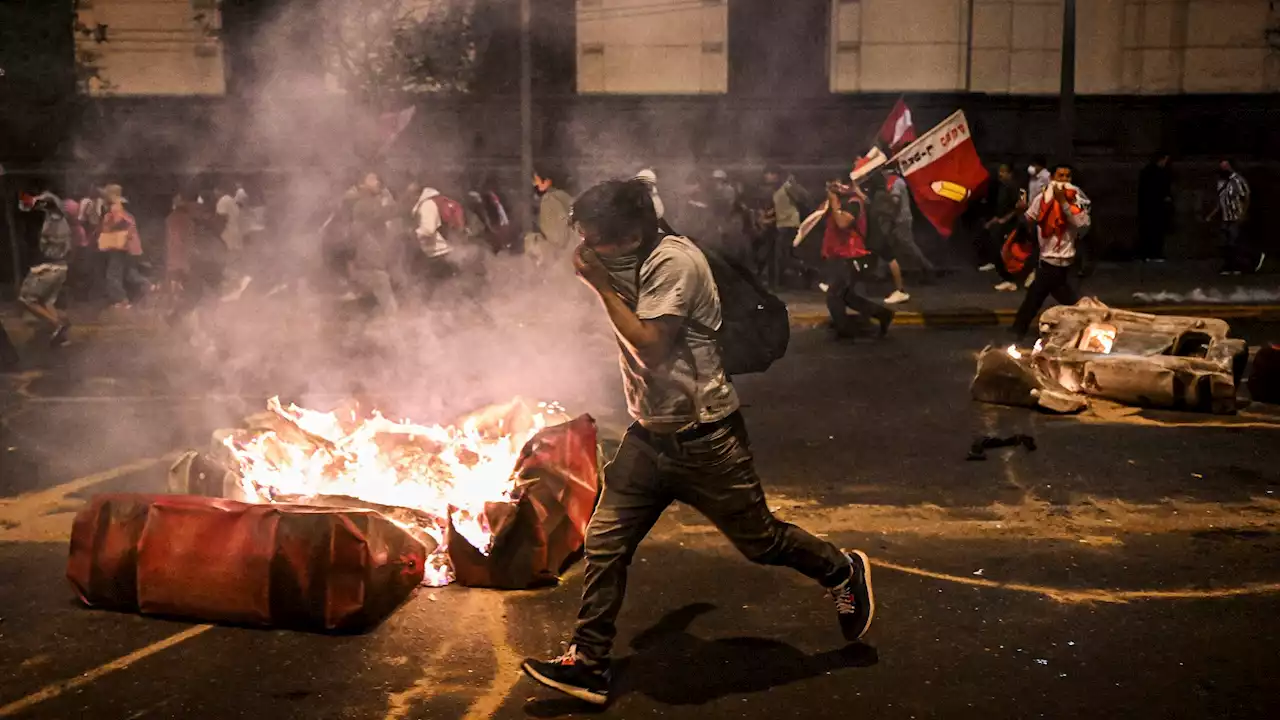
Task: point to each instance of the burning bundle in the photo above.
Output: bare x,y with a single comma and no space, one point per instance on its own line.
328,520
448,486
1090,350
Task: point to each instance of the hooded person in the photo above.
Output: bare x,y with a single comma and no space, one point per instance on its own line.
429,228
650,178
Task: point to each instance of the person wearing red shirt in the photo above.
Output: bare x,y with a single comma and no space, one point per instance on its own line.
845,256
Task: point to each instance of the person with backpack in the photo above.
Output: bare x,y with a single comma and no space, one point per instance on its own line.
434,215
689,440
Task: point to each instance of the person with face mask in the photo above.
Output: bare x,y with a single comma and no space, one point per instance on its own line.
1038,178
1058,216
688,442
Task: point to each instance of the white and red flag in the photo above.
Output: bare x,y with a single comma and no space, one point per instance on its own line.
943,171
898,130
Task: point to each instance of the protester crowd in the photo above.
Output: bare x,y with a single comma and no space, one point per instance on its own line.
388,243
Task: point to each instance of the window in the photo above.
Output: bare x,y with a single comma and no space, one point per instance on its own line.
654,47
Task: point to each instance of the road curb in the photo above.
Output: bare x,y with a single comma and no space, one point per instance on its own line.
20,330
978,317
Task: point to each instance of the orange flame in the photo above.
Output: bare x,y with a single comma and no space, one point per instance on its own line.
444,472
1098,338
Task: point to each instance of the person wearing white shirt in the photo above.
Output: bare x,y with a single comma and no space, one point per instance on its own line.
1059,215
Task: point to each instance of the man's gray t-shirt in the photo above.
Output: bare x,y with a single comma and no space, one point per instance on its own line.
690,386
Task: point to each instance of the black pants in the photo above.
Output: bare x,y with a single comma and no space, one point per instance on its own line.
708,467
1152,229
1236,255
843,291
1051,280
786,267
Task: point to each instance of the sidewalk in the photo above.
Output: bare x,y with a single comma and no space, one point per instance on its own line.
966,297
963,298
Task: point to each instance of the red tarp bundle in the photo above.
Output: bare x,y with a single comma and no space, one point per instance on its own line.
226,561
545,524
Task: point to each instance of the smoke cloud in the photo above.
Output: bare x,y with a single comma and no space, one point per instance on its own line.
500,328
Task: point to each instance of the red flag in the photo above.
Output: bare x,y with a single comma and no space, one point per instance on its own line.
897,130
944,171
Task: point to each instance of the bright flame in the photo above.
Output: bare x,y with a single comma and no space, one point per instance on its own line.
1098,338
1014,352
440,471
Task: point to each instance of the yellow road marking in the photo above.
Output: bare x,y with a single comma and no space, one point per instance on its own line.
399,704
506,672
54,690
40,516
1064,595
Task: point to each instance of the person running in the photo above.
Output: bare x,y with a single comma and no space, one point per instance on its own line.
884,220
40,289
688,442
904,242
1059,214
844,257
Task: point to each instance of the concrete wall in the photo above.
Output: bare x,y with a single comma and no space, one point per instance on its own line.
154,47
643,47
1123,46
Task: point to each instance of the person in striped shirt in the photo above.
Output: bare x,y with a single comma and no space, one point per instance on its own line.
1232,210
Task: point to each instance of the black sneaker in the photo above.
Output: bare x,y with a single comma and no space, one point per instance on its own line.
570,675
855,602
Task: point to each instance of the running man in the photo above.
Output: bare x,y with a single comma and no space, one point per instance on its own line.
688,442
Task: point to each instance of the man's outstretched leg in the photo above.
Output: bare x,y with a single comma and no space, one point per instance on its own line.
714,473
633,500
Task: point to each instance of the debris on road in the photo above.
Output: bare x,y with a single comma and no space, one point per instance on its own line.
1089,350
977,451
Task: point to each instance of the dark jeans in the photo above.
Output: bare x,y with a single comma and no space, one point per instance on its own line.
708,467
844,291
1235,255
122,272
1051,280
1153,226
786,267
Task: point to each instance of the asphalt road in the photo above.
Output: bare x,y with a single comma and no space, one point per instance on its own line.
1128,568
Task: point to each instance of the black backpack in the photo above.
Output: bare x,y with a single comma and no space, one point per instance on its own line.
755,328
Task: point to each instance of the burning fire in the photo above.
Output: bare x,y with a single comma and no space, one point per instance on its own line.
442,472
1098,338
1014,352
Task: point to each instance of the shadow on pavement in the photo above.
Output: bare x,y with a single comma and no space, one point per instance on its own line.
674,667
